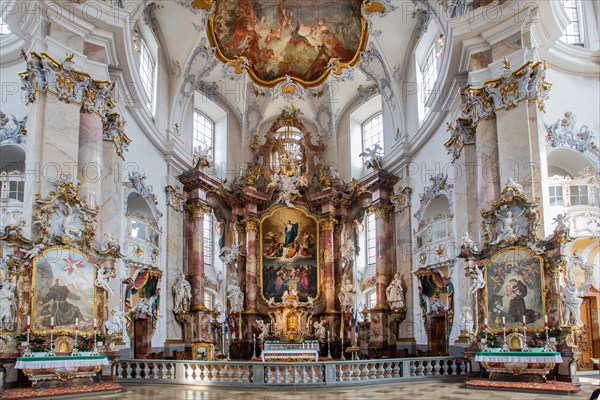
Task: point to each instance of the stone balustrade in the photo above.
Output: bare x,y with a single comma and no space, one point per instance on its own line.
270,373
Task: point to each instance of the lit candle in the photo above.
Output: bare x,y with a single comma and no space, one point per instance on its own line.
95,324
524,320
485,325
76,323
546,321
28,322
51,323
503,322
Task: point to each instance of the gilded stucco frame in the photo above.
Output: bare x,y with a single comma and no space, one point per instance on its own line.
497,328
95,299
317,257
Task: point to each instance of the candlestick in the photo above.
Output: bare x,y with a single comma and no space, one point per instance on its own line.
51,323
343,357
28,321
525,346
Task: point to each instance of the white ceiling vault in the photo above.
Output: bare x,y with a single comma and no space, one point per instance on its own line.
180,29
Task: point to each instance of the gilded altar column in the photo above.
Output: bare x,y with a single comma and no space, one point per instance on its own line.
328,280
251,227
194,244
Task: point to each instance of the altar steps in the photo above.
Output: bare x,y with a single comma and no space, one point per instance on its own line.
550,387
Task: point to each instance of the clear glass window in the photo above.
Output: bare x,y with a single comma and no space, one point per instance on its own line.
556,196
138,229
15,190
371,239
372,299
147,72
204,131
573,32
579,195
429,73
372,132
208,239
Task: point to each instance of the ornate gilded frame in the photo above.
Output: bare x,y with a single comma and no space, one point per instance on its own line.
210,351
239,65
496,326
95,298
317,257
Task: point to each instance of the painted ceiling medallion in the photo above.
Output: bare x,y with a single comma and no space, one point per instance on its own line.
275,39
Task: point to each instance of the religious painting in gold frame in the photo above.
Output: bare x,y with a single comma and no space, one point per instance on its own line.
63,287
203,351
289,254
515,289
274,40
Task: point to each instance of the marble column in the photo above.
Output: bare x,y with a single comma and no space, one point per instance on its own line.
194,230
328,279
384,269
251,273
89,169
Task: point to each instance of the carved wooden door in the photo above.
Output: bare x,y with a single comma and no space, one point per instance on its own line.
585,338
141,338
438,342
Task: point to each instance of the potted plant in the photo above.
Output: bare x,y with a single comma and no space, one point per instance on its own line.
553,334
39,348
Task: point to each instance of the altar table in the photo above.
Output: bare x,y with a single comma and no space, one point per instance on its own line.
297,355
60,368
518,363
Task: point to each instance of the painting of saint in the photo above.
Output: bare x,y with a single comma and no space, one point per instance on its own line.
289,254
278,39
63,289
514,285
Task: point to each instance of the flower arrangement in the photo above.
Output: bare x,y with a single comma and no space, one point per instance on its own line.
220,356
537,340
492,340
38,344
85,343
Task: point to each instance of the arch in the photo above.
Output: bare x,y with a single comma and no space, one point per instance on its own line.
570,161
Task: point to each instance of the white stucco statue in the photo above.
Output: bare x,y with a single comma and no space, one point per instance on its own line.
477,282
182,294
508,225
264,329
116,322
395,293
142,309
571,303
236,297
346,294
6,304
102,279
320,331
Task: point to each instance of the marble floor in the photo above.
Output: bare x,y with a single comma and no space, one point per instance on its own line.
430,390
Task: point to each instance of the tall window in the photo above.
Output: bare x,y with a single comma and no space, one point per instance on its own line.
429,72
208,239
3,27
556,196
579,195
372,299
573,33
208,300
204,131
372,132
371,239
147,72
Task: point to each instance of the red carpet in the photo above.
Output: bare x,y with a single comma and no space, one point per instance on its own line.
553,387
27,393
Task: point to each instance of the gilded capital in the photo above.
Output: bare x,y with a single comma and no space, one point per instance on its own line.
327,224
383,211
196,210
250,224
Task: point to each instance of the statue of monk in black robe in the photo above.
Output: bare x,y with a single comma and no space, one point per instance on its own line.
64,313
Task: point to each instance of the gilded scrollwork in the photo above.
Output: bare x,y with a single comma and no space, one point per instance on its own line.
175,198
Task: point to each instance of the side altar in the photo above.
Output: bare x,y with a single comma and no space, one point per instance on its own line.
61,369
518,363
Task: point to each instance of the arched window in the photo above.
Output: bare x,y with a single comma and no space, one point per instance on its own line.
573,33
204,132
372,132
208,300
147,72
288,139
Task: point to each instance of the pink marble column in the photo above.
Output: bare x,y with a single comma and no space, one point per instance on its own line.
195,252
328,279
251,225
89,167
385,244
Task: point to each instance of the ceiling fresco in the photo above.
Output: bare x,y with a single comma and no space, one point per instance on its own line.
274,39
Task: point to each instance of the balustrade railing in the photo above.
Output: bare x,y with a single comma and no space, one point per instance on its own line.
269,373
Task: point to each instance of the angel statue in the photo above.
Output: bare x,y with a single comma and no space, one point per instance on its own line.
264,329
373,157
203,158
477,282
508,225
182,293
116,322
102,280
320,330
